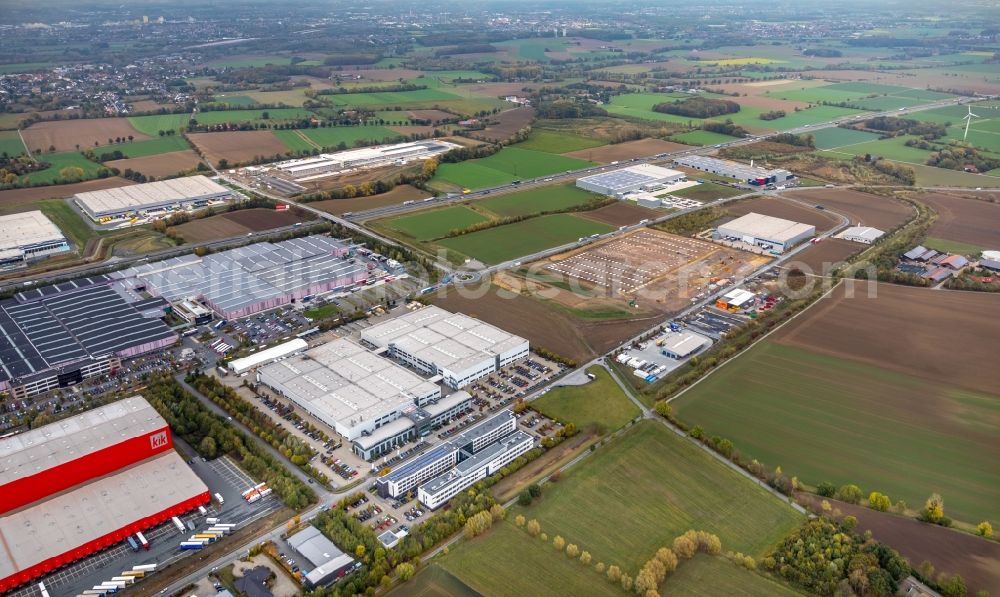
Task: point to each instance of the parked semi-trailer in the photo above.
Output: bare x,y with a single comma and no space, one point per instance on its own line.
202,510
221,530
132,543
178,524
211,520
218,497
145,567
44,591
142,540
134,573
125,579
192,545
207,536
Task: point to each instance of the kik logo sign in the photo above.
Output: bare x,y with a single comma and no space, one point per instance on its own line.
158,440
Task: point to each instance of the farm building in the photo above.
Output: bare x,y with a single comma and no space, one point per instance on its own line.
366,157
862,234
250,279
990,264
641,177
769,233
681,345
915,253
28,235
57,336
994,255
954,262
741,172
74,487
150,198
347,387
325,559
457,347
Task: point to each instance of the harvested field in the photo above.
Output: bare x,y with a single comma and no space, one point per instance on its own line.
164,164
777,207
25,196
432,115
627,150
238,223
862,208
952,552
412,129
820,258
895,394
382,74
66,135
620,213
942,336
964,219
237,146
396,196
507,123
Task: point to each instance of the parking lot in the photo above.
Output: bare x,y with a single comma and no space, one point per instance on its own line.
713,322
627,263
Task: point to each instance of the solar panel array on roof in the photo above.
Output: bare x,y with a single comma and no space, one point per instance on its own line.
36,293
70,323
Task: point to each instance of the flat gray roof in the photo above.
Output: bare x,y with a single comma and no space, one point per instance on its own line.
57,443
27,228
151,194
474,462
628,177
449,340
74,518
482,428
314,546
346,382
767,227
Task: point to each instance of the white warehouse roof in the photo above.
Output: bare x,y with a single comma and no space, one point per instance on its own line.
163,192
263,357
27,228
767,227
862,232
628,178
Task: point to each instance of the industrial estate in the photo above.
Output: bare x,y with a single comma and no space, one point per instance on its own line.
503,299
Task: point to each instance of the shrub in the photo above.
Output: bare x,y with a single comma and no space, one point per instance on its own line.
850,494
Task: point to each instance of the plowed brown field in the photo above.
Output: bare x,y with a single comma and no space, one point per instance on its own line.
65,135
903,330
16,197
862,208
819,258
164,164
963,219
396,196
238,223
237,146
620,213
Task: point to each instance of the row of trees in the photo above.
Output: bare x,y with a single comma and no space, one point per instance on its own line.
698,107
295,450
772,115
213,436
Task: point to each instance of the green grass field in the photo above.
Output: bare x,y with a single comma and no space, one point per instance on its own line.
938,177
557,142
508,164
391,98
701,138
503,243
826,419
643,489
435,223
433,581
139,149
600,404
891,149
151,125
234,100
248,62
640,105
507,562
812,115
952,246
832,138
58,161
321,312
707,192
707,576
10,143
537,200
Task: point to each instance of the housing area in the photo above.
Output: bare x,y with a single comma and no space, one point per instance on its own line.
71,488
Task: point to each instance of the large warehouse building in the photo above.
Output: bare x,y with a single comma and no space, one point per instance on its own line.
82,484
26,236
769,233
250,279
641,177
150,198
457,347
367,157
745,174
347,387
57,336
326,561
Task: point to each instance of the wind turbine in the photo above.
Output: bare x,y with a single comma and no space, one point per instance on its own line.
968,120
